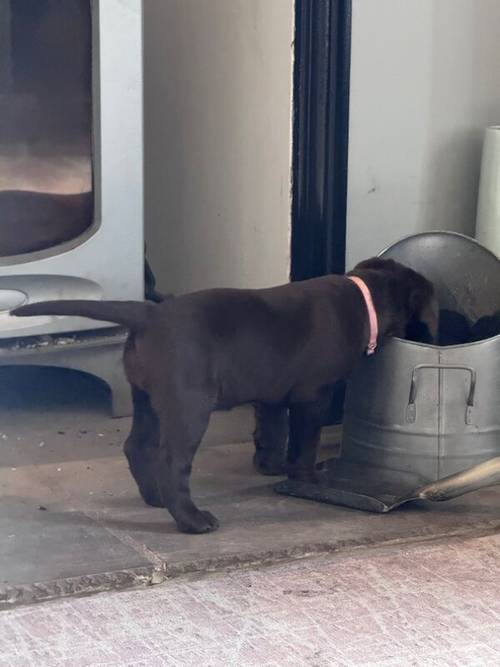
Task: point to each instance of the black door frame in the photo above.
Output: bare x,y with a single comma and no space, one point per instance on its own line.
320,137
320,146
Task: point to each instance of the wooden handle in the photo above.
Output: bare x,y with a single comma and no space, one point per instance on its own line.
472,479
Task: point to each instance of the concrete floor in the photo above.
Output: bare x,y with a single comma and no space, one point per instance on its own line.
435,605
72,522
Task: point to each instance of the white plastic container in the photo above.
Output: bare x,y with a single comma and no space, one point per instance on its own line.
488,207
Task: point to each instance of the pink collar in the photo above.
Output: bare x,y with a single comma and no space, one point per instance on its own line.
372,314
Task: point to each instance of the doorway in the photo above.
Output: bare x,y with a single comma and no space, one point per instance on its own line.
320,145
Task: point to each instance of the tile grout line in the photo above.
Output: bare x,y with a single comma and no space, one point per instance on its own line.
159,563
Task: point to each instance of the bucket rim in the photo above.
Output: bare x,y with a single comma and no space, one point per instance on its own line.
439,232
443,347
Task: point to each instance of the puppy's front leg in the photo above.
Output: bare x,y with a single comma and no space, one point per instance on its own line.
270,439
305,431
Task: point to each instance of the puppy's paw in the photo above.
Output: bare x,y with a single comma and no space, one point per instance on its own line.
199,523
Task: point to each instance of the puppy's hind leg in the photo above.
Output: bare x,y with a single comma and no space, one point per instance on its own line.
142,446
183,420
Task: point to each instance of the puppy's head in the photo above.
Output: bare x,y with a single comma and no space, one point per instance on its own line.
413,308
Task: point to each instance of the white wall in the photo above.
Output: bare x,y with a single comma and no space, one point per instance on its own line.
218,79
425,82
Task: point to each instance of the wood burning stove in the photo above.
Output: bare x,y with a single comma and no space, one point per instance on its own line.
71,156
71,164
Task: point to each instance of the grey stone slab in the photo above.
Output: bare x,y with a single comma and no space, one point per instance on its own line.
40,546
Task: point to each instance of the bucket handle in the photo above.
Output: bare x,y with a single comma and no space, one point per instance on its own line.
411,409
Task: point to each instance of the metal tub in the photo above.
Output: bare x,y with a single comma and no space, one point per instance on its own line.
417,414
424,410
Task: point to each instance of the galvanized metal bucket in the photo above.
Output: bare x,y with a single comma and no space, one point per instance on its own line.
423,421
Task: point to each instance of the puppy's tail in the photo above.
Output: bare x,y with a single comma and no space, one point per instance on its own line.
131,314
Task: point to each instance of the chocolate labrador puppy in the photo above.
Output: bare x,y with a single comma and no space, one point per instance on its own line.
215,349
